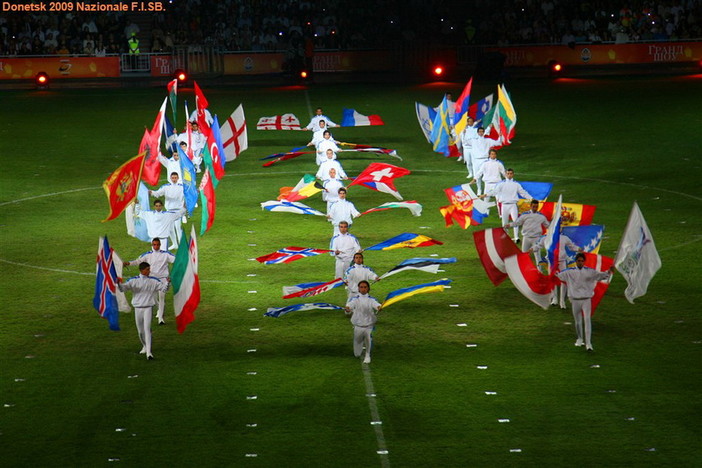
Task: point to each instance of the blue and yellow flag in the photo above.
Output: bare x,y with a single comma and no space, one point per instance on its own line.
402,294
440,130
407,239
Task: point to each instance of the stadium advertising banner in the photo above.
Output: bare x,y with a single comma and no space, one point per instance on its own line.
602,54
253,64
377,60
59,67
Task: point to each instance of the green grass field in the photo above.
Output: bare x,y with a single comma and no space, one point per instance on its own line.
76,394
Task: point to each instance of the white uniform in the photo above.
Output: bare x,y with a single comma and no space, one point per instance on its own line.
563,243
314,122
491,172
532,223
323,171
162,224
342,210
479,152
355,274
467,136
581,284
322,146
347,245
331,191
143,288
172,165
363,317
507,193
159,261
174,198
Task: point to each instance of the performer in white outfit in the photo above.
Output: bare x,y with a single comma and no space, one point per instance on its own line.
342,210
158,260
343,246
314,122
162,223
507,193
533,224
171,164
564,242
356,273
331,185
581,282
329,164
491,172
480,147
363,309
466,137
324,145
143,288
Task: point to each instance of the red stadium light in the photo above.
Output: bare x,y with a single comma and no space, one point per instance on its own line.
180,75
41,80
438,71
304,74
555,68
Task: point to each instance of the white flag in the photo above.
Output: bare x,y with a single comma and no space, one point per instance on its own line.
234,136
637,258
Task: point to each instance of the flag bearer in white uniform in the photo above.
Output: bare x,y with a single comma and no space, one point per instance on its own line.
363,309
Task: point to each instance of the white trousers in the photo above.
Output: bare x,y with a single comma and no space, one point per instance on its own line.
510,211
468,160
362,336
582,308
142,316
477,164
160,301
340,267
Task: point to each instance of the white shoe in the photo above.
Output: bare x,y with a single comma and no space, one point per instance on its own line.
563,306
579,342
589,348
143,350
554,301
366,360
460,159
150,357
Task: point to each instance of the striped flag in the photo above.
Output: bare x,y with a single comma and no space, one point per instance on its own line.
552,240
429,265
402,294
278,311
574,214
290,207
493,246
185,281
105,299
315,289
351,118
173,96
528,280
289,254
414,207
405,240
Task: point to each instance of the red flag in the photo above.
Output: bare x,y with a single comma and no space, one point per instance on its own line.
381,177
208,202
533,284
201,104
493,246
576,214
122,185
151,144
234,135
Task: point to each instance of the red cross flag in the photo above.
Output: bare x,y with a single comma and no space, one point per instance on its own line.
234,137
278,122
381,177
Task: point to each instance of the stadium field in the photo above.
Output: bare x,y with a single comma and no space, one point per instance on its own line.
473,376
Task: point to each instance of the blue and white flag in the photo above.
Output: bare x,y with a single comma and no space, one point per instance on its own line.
278,311
290,207
351,118
429,265
190,190
589,237
537,190
425,116
105,299
313,290
552,239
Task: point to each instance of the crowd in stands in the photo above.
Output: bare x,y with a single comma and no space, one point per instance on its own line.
293,25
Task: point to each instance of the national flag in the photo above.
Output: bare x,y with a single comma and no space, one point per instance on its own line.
189,134
290,207
462,105
440,131
278,122
351,118
381,177
274,158
425,117
455,213
463,197
493,246
299,287
528,280
122,185
216,147
185,281
599,263
429,265
315,290
306,187
152,166
414,207
105,299
136,226
588,237
278,311
234,135
504,118
537,190
369,149
201,104
402,294
637,258
289,254
575,214
552,240
173,97
478,110
171,135
122,302
208,202
405,240
190,192
212,157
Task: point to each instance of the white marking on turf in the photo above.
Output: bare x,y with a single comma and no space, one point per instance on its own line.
375,422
